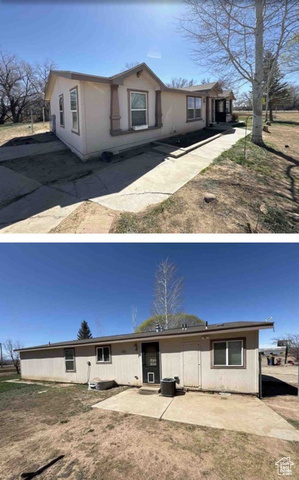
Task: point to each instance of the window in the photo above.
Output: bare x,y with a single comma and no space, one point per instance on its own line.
228,353
103,354
69,356
74,109
138,108
193,108
61,110
227,106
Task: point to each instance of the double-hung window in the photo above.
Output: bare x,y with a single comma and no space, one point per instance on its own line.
69,357
228,353
103,354
61,110
138,108
193,108
74,109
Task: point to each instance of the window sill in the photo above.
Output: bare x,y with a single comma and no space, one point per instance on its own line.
126,132
76,132
228,367
195,120
103,363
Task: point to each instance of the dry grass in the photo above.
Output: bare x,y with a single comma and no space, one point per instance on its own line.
256,193
11,131
97,444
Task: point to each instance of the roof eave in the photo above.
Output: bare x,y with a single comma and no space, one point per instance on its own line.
206,332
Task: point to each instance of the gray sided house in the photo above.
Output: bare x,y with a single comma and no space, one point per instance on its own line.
218,357
92,114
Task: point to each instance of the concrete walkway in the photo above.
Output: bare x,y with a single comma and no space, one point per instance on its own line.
168,177
11,153
238,413
131,185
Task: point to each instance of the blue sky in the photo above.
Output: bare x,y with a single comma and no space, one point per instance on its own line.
46,290
99,38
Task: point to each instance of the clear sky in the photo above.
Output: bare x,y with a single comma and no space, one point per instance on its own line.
99,38
46,290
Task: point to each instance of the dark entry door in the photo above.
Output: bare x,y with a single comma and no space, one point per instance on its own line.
150,362
220,113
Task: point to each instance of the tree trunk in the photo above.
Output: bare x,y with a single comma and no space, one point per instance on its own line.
257,84
271,112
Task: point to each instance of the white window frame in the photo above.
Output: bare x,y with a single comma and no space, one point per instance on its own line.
138,109
102,348
226,351
194,109
61,110
75,130
74,360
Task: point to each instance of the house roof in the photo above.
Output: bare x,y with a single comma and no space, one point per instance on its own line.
119,78
204,86
201,329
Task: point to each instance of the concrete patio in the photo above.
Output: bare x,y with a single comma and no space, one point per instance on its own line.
238,413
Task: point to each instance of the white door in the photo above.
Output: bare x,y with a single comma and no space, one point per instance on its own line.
191,365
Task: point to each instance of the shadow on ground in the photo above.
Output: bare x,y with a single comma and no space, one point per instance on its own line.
31,139
272,387
30,475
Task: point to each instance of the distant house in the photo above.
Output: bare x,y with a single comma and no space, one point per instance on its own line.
92,114
220,357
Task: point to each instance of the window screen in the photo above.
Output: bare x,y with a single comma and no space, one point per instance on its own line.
69,355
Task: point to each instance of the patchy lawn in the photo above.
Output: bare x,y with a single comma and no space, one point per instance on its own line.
256,192
40,424
10,131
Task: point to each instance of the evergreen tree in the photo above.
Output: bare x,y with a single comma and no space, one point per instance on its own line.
275,89
84,331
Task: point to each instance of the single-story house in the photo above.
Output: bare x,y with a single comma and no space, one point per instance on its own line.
92,114
216,357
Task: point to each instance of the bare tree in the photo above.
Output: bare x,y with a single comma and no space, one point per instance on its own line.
129,65
134,318
42,77
168,291
293,345
181,83
231,35
290,59
17,84
10,348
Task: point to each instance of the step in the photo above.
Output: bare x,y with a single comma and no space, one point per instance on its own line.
149,389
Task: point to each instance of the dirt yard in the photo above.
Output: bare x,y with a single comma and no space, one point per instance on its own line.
9,132
258,193
40,424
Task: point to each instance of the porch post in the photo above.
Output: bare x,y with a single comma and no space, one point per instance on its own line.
158,111
114,110
207,111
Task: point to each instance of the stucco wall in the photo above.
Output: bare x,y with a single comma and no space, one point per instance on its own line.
188,359
94,113
50,365
74,141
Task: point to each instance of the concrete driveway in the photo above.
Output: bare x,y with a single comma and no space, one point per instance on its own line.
238,413
39,191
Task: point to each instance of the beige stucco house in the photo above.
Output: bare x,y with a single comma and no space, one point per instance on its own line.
219,357
92,114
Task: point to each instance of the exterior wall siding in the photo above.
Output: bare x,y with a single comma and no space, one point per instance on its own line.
74,141
94,113
180,357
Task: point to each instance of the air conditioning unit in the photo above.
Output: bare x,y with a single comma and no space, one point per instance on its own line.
140,127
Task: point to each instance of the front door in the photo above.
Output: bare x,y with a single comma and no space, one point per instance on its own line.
150,362
191,365
220,111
